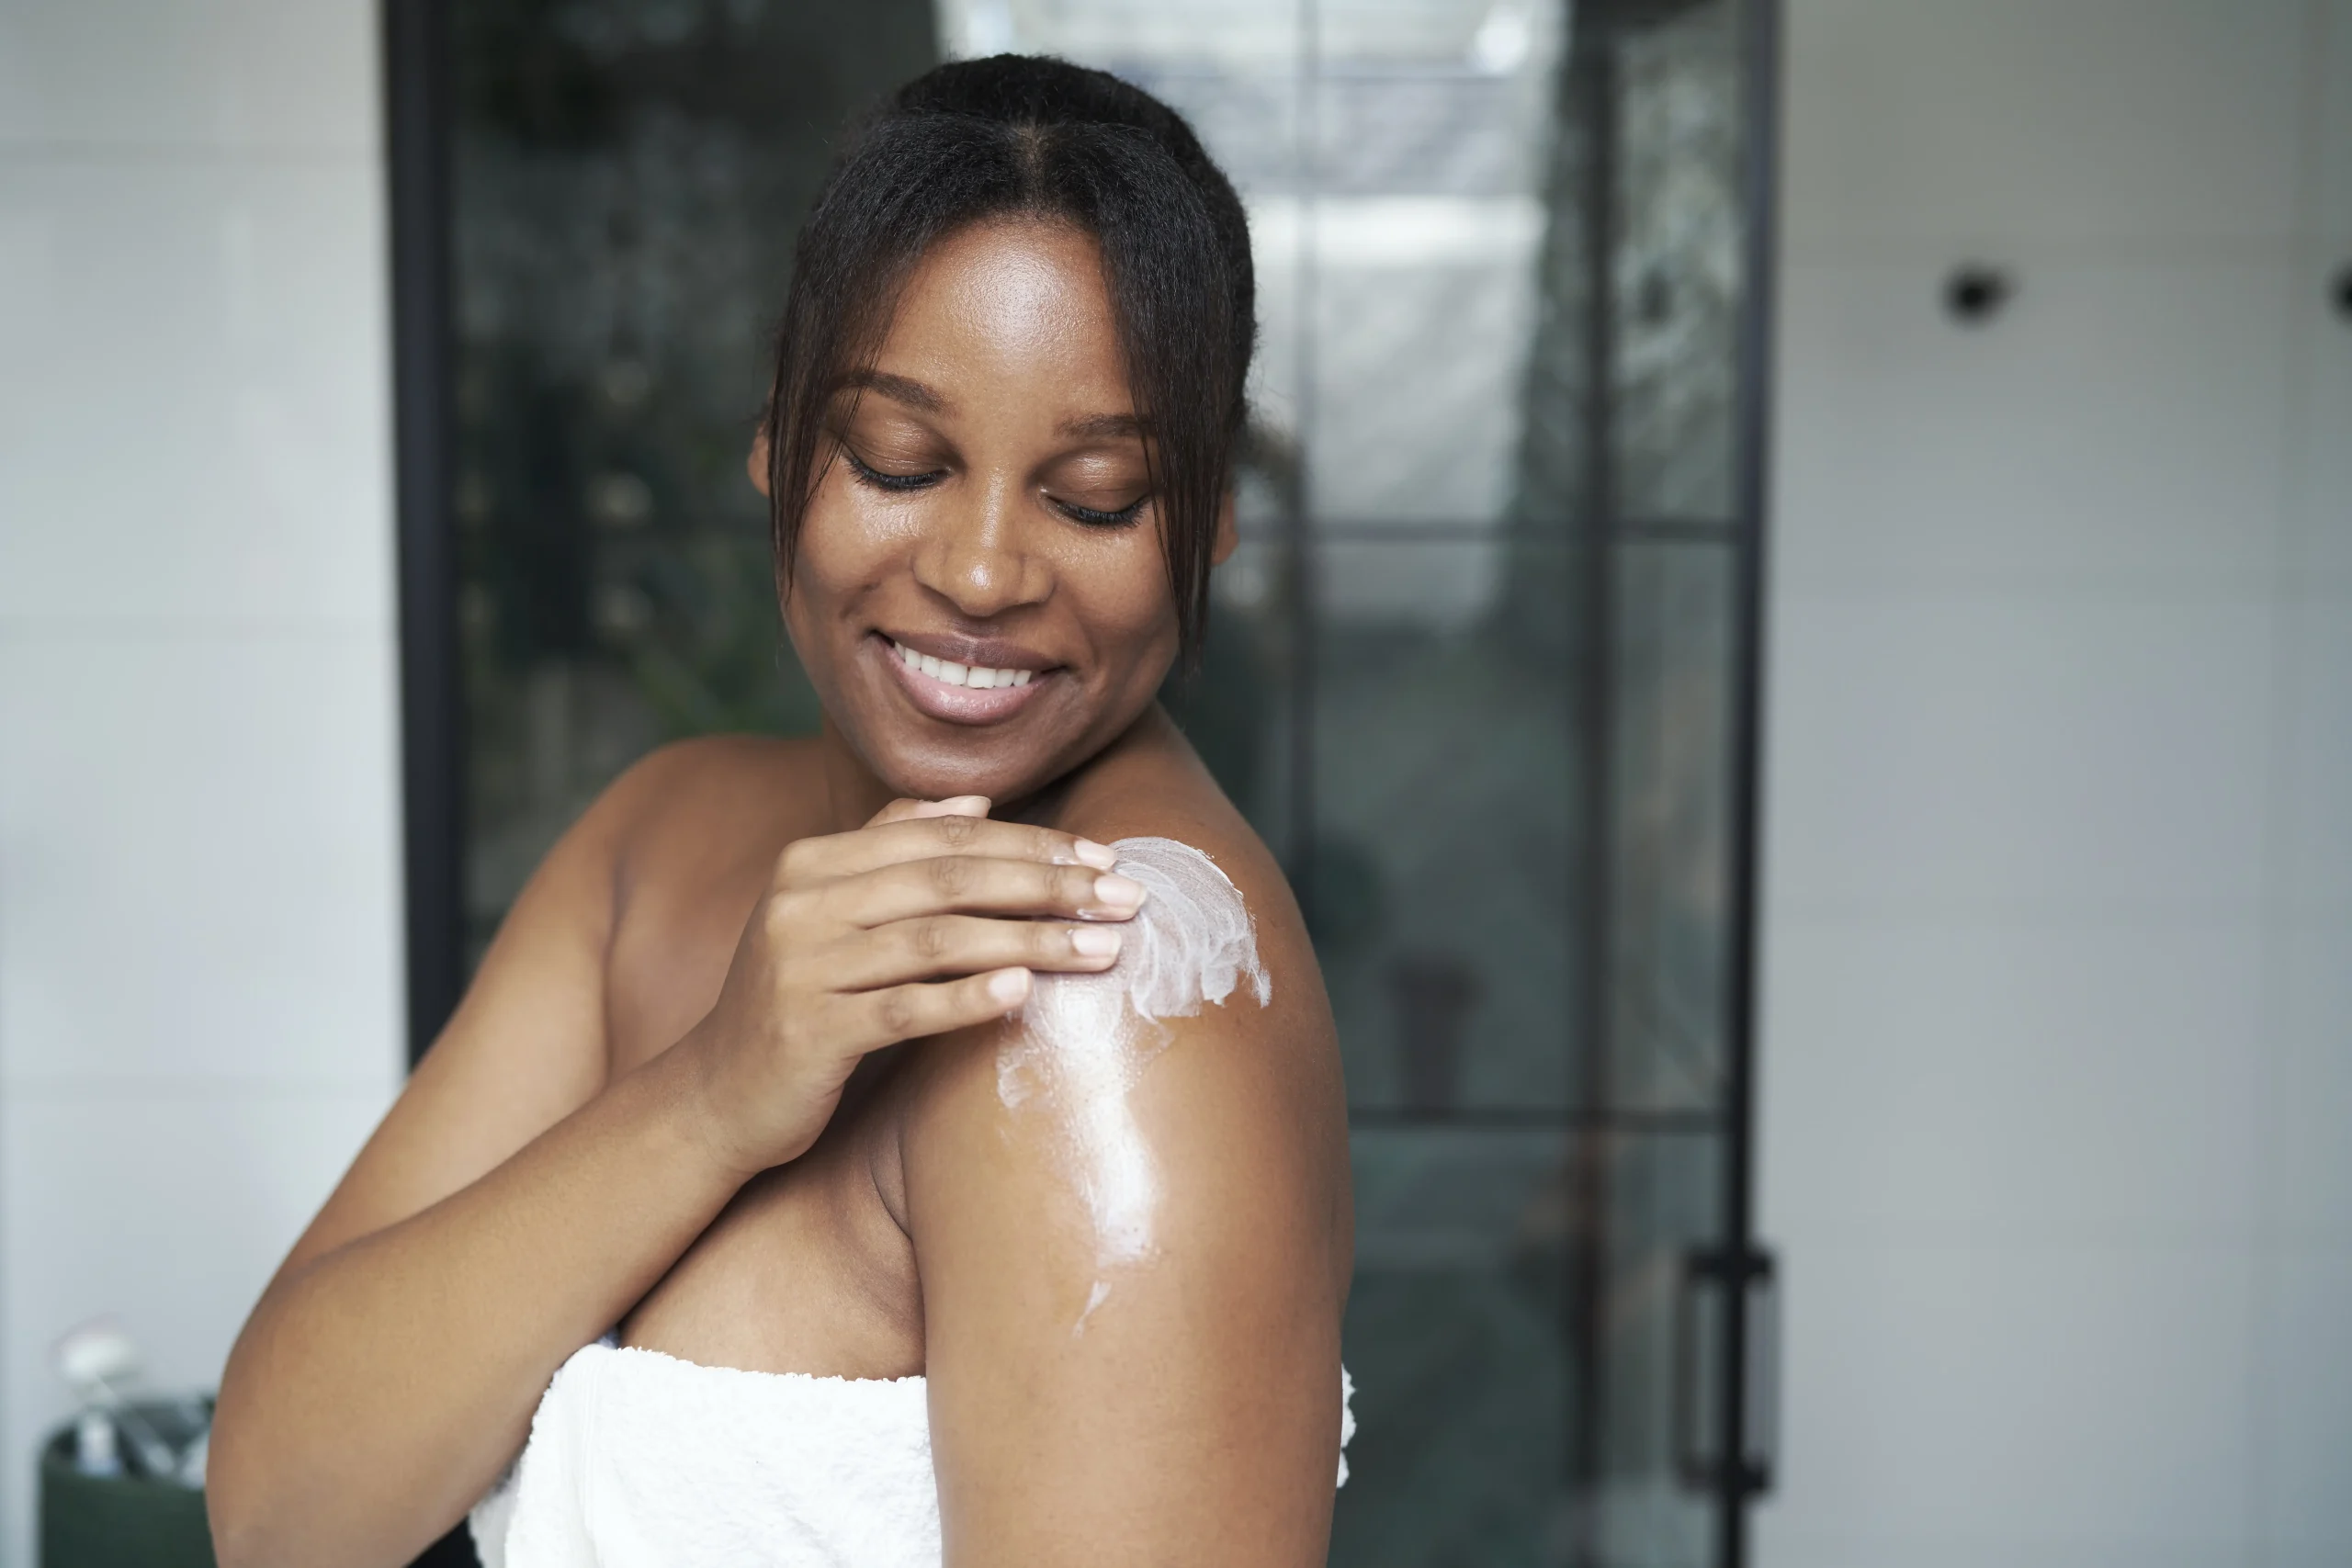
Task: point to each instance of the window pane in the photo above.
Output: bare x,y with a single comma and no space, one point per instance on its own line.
1448,865
628,181
1511,1333
1670,823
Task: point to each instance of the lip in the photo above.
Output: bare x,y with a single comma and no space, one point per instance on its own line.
962,705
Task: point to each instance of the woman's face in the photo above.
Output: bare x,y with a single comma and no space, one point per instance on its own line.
981,597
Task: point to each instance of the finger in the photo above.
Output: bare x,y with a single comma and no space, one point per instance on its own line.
932,947
910,1012
976,885
916,839
954,806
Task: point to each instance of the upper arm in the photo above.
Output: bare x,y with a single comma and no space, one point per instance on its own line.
1192,1413
525,1048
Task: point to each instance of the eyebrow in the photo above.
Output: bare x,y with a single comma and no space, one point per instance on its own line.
913,394
1099,427
898,389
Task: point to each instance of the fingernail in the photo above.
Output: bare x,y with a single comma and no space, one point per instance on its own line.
1119,892
1094,942
967,805
1100,856
1008,985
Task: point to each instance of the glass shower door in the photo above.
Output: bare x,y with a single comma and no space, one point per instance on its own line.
1480,673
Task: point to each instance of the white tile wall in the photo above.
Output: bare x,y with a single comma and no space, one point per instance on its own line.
269,79
2057,1049
194,444
2307,1166
2316,762
2331,170
2063,122
2023,1398
199,953
2319,538
198,864
2018,1082
2304,1507
2051,450
2016,756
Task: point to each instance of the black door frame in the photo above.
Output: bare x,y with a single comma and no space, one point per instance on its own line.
417,111
1748,1414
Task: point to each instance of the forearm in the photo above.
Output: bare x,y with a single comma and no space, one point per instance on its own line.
377,1390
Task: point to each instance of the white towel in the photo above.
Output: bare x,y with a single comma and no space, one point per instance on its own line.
638,1459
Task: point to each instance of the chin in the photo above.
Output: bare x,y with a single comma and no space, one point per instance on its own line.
926,760
930,728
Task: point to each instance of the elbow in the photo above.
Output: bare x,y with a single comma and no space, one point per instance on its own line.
256,1521
236,1510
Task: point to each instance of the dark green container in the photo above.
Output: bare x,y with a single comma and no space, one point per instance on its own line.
116,1522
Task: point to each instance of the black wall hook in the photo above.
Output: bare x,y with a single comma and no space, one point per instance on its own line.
1975,293
2342,292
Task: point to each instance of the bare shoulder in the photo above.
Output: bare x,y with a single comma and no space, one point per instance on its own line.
1157,789
1130,1218
1262,1035
697,828
712,787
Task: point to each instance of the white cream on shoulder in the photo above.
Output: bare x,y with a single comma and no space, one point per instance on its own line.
1086,1039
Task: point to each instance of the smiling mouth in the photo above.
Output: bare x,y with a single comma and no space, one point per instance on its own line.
979,678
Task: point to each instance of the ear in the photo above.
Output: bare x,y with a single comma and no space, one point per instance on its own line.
756,463
1229,531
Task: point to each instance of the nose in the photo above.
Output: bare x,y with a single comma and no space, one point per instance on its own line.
975,557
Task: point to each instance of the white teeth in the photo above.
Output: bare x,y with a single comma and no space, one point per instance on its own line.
949,674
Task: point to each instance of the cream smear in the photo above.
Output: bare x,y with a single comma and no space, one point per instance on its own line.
1086,1039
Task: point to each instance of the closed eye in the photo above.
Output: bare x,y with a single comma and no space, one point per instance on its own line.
885,480
1094,519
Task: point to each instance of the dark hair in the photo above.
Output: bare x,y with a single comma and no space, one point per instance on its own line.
1024,136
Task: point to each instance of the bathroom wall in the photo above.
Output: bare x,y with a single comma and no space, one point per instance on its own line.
2057,1054
200,941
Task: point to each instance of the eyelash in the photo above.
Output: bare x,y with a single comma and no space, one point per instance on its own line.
893,482
1093,519
898,484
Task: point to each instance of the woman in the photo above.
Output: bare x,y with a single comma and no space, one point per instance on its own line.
822,1057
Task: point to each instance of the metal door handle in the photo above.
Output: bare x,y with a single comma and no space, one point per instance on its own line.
1700,1455
1760,1443
1693,1459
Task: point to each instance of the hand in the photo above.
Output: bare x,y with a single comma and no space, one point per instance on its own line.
918,923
